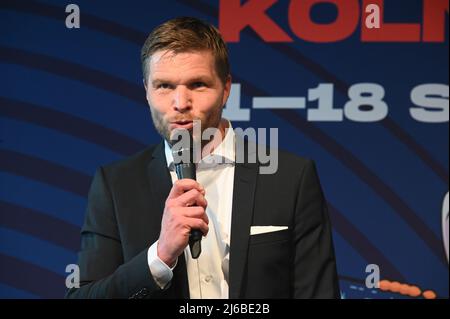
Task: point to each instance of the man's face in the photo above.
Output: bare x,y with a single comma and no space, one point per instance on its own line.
185,87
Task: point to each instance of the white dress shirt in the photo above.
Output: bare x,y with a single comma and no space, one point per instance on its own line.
207,275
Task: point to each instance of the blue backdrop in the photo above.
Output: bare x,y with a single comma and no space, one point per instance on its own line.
72,99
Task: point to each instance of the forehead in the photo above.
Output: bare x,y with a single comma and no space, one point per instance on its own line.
168,62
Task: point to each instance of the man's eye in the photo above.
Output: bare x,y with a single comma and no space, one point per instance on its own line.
198,85
163,86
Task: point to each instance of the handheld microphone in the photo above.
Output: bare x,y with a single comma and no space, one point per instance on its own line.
182,152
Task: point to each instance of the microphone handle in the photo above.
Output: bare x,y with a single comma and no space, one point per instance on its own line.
187,170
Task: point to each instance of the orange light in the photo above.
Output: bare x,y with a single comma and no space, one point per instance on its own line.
414,291
429,294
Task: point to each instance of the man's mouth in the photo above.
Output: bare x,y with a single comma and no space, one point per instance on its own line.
186,124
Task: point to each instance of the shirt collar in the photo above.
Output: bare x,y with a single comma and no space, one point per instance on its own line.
224,153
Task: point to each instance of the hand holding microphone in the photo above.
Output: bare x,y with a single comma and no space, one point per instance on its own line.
184,219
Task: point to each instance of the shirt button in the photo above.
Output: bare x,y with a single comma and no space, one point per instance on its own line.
208,278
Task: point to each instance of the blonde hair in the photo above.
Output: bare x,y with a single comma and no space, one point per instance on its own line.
185,34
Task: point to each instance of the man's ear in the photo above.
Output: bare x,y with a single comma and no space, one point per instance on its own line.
145,84
146,91
226,90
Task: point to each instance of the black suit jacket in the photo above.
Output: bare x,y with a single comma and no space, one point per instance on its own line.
123,219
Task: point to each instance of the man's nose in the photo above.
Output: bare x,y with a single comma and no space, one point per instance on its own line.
182,99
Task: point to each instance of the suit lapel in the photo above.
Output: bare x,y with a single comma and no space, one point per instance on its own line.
160,180
160,184
245,176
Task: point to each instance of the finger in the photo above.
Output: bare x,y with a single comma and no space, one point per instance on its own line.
196,223
192,198
183,185
196,212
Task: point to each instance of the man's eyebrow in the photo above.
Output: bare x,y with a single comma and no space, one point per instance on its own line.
197,78
200,78
159,81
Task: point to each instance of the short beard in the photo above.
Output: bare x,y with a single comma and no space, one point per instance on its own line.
161,127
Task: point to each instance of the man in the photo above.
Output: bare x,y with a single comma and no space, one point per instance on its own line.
265,235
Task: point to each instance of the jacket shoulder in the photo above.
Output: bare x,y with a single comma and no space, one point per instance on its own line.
293,159
131,165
